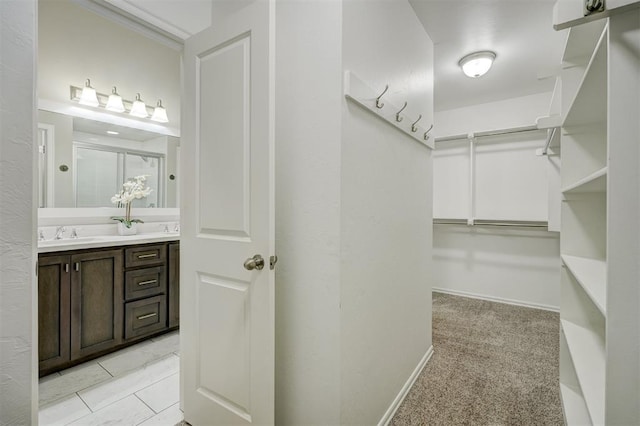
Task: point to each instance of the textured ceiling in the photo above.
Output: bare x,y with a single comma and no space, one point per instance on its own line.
520,32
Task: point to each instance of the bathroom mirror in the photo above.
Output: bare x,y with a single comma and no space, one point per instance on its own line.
84,162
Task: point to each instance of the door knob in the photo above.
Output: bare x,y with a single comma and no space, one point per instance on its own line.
255,262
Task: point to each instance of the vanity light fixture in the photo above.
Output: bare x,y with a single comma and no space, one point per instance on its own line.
139,109
115,101
89,95
477,64
159,113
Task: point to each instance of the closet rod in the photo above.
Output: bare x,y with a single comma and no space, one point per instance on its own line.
501,223
489,133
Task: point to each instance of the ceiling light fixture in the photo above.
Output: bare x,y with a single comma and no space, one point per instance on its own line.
89,96
477,64
159,113
115,101
139,109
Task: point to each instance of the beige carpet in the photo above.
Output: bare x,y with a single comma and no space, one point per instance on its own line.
494,364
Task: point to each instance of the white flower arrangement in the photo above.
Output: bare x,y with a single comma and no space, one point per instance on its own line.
132,189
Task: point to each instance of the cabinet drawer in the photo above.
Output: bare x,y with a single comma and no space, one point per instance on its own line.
145,255
145,282
145,316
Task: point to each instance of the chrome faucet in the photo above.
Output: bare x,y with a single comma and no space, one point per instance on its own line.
59,231
40,235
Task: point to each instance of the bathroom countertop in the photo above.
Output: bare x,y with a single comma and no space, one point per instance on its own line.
98,241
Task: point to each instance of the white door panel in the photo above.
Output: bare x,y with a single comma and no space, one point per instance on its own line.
227,311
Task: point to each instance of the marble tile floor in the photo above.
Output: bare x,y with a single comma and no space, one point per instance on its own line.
138,385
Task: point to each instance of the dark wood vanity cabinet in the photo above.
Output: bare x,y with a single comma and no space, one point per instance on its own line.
146,290
79,305
54,315
174,285
94,301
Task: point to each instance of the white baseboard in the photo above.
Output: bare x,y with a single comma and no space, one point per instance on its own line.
391,411
497,299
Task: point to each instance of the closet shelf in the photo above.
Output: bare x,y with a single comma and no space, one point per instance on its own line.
591,274
575,408
595,182
588,356
589,102
580,41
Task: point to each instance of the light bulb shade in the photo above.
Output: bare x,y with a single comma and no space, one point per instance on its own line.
139,109
115,102
89,95
477,64
159,113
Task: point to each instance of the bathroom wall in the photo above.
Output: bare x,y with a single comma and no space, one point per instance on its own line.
511,265
386,199
18,301
75,44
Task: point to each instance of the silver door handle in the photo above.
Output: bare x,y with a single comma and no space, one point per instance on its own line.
255,262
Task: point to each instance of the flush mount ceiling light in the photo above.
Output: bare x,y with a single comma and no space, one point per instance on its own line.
477,64
139,109
89,96
115,101
159,113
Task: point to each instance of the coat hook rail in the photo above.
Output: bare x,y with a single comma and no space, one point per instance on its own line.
356,91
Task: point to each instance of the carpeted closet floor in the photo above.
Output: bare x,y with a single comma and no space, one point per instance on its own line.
493,364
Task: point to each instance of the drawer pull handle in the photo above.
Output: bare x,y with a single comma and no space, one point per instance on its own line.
153,314
146,256
147,282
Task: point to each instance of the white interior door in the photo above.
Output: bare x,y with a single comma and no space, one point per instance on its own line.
227,310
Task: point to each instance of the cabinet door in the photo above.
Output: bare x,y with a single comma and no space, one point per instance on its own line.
53,311
96,302
174,285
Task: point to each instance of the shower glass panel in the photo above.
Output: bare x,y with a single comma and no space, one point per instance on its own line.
149,166
96,177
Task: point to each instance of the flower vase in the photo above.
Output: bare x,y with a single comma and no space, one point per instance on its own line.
123,230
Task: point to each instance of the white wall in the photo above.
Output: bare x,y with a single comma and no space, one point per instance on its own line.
18,301
353,281
76,44
515,112
386,197
520,266
308,120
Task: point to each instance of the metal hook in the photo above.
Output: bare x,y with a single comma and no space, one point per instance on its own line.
426,134
398,118
414,128
378,103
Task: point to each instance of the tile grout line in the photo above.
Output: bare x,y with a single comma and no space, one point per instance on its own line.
84,402
147,405
105,369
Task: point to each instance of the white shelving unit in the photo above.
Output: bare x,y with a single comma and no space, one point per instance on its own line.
600,286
